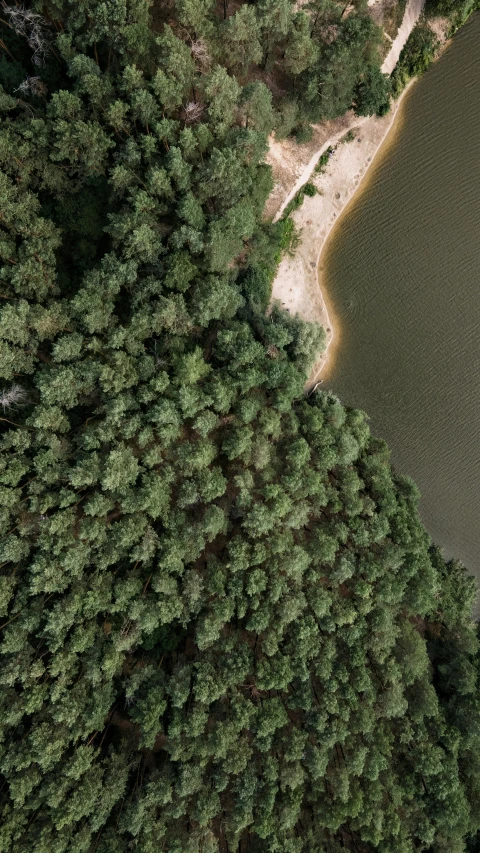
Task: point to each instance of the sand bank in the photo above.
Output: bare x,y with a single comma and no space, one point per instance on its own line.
296,285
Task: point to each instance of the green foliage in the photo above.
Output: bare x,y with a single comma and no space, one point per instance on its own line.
241,40
418,53
349,137
307,189
256,106
323,159
267,246
373,94
303,132
329,86
301,51
286,118
456,10
296,202
310,189
223,624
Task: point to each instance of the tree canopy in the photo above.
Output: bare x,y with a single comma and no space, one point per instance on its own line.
224,627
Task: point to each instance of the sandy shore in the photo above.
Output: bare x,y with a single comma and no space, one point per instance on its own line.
296,285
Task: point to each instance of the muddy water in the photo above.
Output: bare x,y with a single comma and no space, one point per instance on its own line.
402,270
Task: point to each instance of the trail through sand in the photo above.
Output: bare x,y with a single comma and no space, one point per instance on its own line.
412,13
296,284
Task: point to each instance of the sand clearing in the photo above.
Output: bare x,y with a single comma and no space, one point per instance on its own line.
296,285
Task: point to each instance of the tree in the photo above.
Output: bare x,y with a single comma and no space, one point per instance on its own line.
222,619
274,17
373,94
301,51
241,40
174,79
195,16
256,107
222,93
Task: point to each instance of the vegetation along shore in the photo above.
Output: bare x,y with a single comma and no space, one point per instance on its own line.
336,171
224,628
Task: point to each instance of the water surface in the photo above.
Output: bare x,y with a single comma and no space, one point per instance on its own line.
402,270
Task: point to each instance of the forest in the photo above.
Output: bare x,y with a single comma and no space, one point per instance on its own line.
223,627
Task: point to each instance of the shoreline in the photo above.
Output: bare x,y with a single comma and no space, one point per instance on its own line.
297,285
381,151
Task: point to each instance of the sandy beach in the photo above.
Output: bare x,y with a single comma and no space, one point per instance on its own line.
296,285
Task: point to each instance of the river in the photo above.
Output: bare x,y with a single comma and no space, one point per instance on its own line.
402,271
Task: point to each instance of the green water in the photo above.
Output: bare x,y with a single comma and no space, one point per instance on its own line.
402,270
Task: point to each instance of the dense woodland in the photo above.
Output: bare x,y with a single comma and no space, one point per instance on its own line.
223,626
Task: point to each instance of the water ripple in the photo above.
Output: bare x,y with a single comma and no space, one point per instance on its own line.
404,275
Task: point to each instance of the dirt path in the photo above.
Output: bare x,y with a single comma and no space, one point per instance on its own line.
293,164
413,11
296,284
